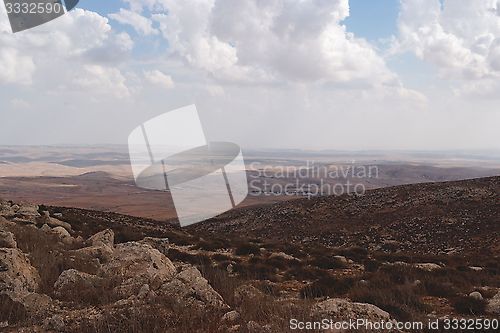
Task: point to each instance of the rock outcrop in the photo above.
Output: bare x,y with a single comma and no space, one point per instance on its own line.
343,309
72,284
191,289
493,305
7,240
135,264
16,273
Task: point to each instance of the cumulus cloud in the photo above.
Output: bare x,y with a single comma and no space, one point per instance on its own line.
141,24
267,41
460,37
159,78
15,67
71,49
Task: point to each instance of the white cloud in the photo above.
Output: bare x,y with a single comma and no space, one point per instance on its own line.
141,24
72,48
272,40
159,78
461,37
15,67
99,80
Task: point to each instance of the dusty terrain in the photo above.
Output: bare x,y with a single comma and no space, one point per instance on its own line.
100,178
413,252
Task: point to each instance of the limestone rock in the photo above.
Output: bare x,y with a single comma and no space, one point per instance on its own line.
135,264
247,292
427,266
27,210
72,282
190,288
16,273
7,239
103,238
343,309
477,295
6,209
63,235
494,304
231,317
53,222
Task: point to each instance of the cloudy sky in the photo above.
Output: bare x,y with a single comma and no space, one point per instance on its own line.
308,74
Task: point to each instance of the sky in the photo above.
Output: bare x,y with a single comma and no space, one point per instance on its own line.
309,74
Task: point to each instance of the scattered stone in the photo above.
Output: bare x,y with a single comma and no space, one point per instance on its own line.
476,295
7,239
56,323
231,317
234,329
475,268
247,292
282,255
494,304
53,222
143,292
342,260
429,267
254,327
46,228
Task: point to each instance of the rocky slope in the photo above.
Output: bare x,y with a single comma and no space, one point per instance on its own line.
408,253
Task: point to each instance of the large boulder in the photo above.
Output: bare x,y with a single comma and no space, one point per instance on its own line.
73,284
7,239
89,259
247,293
15,307
53,222
135,264
6,209
27,210
63,235
103,238
493,305
343,309
16,273
191,289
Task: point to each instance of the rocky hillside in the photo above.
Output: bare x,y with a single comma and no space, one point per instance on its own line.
415,252
461,217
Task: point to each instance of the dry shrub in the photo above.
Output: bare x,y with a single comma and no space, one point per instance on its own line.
434,287
221,281
11,311
247,248
45,252
469,305
327,286
327,262
400,301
